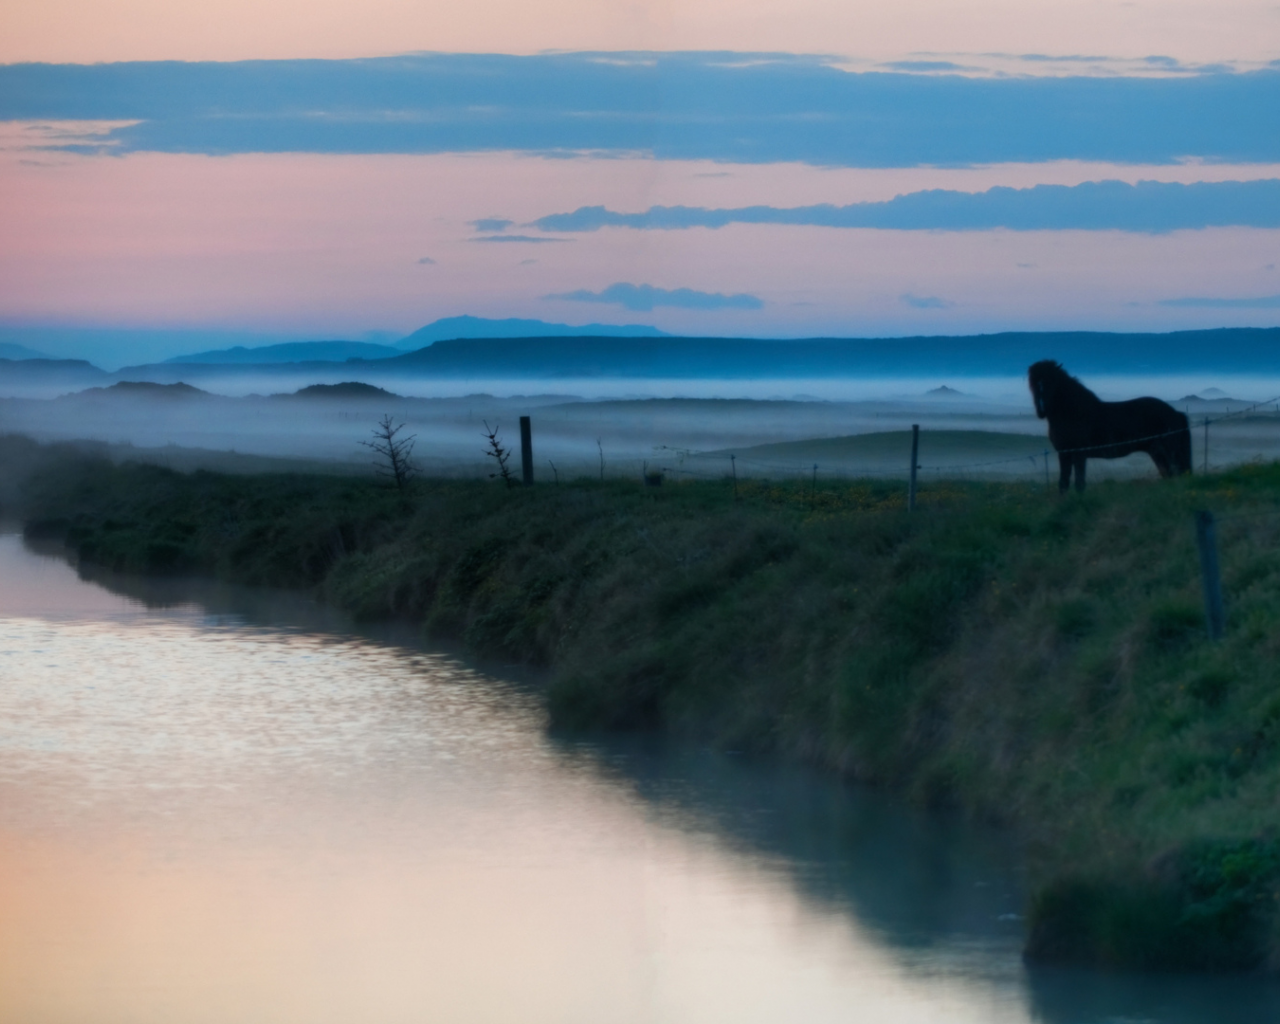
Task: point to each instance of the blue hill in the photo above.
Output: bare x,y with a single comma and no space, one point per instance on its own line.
451,328
291,352
10,350
1235,350
1223,350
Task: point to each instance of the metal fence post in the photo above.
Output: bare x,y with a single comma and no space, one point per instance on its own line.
915,458
526,450
1207,541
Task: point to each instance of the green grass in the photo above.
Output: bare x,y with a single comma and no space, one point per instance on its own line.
1033,659
943,453
894,446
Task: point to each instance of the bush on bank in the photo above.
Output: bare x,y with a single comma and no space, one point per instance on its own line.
1037,659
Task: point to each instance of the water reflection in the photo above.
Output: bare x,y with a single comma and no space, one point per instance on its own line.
237,807
926,882
942,896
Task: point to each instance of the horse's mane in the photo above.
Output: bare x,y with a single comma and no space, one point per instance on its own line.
1061,390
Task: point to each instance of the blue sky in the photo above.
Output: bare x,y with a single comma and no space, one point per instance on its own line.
754,193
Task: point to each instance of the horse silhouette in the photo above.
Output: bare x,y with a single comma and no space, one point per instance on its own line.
1082,426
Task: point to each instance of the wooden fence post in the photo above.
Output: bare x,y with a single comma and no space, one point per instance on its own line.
1206,444
526,450
1207,541
915,458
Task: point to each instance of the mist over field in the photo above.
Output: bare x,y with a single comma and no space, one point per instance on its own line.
774,429
634,401
630,404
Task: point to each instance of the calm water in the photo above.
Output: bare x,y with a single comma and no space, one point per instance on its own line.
226,806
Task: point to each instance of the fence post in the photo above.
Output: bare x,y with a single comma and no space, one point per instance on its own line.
915,458
526,450
1207,541
733,467
1206,444
813,488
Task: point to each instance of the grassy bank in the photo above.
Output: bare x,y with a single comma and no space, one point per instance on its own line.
1039,660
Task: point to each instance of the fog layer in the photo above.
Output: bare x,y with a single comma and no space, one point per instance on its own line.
986,429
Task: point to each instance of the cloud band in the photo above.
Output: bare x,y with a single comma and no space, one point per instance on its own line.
747,108
645,297
1148,206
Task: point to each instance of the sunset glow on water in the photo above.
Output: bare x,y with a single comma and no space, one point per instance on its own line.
207,820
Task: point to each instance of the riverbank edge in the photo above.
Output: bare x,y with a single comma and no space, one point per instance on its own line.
824,625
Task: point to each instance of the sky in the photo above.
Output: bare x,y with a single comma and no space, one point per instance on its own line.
766,168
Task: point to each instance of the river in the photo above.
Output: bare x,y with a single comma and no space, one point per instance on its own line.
223,805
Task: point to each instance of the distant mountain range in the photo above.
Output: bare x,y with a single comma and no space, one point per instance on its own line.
1233,350
1227,350
291,352
10,350
453,327
449,328
111,342
44,373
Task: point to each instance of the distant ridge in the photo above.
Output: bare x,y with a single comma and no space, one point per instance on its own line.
1235,350
149,389
12,350
290,352
449,328
452,328
37,373
347,389
1244,351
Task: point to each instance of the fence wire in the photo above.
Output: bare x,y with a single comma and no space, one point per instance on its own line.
1036,462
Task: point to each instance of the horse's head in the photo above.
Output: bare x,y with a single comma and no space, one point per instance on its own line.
1043,378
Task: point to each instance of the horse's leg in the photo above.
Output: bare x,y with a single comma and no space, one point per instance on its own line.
1080,464
1161,458
1182,445
1064,473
